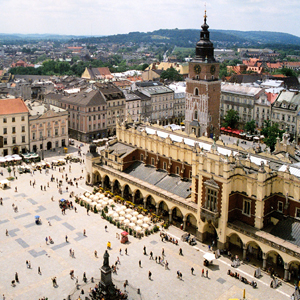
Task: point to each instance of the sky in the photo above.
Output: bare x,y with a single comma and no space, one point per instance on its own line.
99,17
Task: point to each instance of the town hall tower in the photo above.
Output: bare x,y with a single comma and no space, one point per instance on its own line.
203,89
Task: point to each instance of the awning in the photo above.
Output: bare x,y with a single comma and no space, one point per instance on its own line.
209,256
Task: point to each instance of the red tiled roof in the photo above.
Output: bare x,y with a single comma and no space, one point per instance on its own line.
12,106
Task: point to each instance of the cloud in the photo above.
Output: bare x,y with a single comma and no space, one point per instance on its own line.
99,17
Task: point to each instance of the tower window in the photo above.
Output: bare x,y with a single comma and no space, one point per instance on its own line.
196,115
196,92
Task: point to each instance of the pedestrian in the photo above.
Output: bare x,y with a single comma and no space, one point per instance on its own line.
49,223
149,275
66,238
163,252
95,253
120,251
202,272
87,211
84,232
52,198
6,232
166,265
39,271
30,182
44,188
156,259
192,270
3,297
206,273
67,189
17,277
105,227
84,277
75,209
48,184
125,251
46,239
118,260
145,253
159,259
16,189
41,187
151,255
178,274
140,263
27,264
180,251
70,251
73,253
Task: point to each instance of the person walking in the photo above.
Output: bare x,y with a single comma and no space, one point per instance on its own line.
46,239
149,275
166,265
6,232
140,263
206,273
66,238
163,252
70,251
178,274
17,277
39,271
125,251
75,209
151,255
202,273
96,255
29,264
145,253
180,251
84,232
192,270
105,228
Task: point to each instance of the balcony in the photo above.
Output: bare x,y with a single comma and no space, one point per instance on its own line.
210,216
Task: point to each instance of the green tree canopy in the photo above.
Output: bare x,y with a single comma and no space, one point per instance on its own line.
231,119
271,132
171,74
250,126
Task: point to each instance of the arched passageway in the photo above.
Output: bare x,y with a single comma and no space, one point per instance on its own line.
177,217
163,210
275,264
191,224
117,188
138,198
127,193
150,204
107,184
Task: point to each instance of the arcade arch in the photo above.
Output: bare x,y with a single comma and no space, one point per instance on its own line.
117,190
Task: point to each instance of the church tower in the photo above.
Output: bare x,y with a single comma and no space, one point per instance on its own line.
203,89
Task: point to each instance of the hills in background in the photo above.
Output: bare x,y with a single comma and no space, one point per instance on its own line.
178,37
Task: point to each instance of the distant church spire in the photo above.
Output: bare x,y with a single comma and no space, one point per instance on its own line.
204,47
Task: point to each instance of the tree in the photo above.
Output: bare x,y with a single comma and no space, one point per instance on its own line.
171,74
250,126
231,119
271,132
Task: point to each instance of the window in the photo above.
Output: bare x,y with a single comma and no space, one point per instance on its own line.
23,128
5,141
13,119
41,134
22,118
297,214
63,130
165,165
33,135
90,118
196,115
14,140
94,118
90,127
23,138
211,199
4,130
142,157
177,170
247,207
13,129
48,133
152,161
280,206
4,120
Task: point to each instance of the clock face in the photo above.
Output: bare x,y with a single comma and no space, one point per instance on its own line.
212,69
197,69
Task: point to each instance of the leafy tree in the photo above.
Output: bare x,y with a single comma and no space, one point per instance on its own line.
250,126
271,132
145,66
171,74
9,170
231,119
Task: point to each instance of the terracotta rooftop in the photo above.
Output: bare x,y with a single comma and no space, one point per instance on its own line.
12,106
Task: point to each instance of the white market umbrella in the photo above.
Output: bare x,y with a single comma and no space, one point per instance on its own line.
105,199
145,225
128,216
121,219
133,219
122,213
111,201
88,200
104,202
101,196
98,194
146,219
135,213
123,207
131,225
87,194
98,206
110,213
138,228
128,210
139,222
115,215
2,159
94,203
126,221
118,209
140,217
209,256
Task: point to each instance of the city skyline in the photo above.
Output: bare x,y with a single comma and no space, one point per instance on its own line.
90,17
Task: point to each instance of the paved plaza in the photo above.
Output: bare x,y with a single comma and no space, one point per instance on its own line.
26,241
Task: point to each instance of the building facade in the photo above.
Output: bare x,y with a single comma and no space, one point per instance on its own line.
203,89
48,127
14,126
